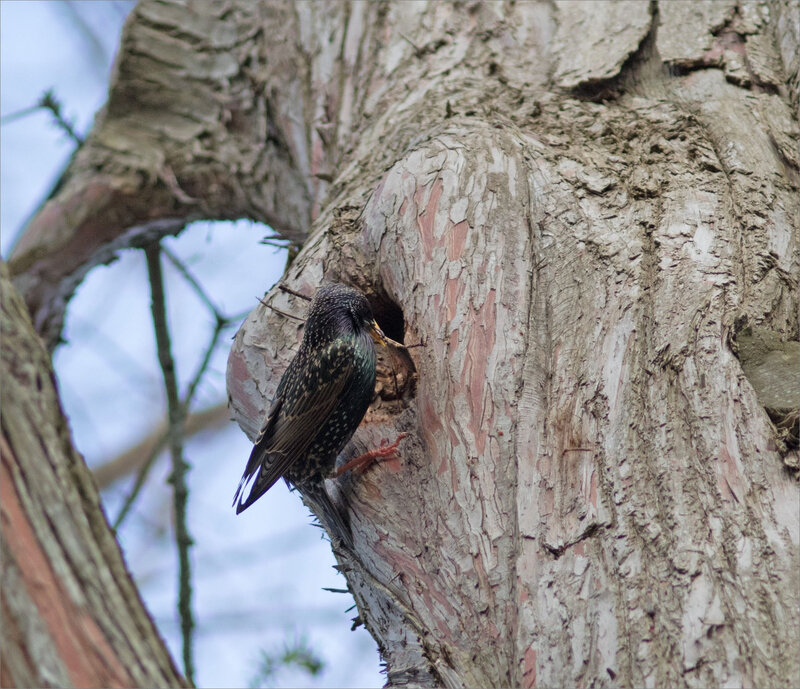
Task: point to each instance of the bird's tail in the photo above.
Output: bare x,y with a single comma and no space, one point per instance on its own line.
330,516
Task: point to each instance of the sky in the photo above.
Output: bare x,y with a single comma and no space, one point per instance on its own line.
258,577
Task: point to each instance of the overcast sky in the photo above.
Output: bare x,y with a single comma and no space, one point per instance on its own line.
258,577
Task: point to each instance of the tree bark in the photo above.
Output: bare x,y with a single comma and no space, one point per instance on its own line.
72,616
577,208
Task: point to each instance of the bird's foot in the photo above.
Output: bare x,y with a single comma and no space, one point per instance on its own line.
381,454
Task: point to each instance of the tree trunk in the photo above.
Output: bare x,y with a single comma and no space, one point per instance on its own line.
579,209
71,614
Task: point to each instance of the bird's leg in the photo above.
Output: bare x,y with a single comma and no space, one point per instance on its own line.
381,454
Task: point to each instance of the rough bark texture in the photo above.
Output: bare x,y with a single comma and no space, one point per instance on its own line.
71,614
578,208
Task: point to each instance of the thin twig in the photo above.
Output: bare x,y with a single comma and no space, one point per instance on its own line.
282,313
192,280
238,317
273,238
141,477
417,49
289,290
48,101
186,402
176,413
222,322
275,243
144,471
19,114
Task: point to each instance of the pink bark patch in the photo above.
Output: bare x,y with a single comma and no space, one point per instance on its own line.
529,671
452,345
453,291
238,377
456,240
81,645
427,215
436,602
479,345
729,482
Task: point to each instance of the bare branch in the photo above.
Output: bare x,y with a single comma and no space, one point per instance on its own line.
192,280
177,414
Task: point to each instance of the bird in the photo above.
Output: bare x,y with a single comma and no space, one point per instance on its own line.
321,399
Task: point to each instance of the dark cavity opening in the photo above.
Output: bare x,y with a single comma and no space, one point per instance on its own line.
397,374
389,316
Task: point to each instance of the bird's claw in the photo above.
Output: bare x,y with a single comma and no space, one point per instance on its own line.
381,454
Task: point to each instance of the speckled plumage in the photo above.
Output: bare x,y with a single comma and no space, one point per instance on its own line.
319,402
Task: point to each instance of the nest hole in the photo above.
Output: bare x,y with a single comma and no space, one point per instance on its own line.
397,374
390,317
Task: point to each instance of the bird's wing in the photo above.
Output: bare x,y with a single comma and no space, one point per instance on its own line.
308,393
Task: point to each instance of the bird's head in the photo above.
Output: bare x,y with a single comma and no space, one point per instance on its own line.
338,310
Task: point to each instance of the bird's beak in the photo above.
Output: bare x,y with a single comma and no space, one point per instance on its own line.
376,333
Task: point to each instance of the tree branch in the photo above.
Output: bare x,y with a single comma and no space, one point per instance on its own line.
177,415
71,613
192,280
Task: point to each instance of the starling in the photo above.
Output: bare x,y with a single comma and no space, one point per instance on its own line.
319,402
